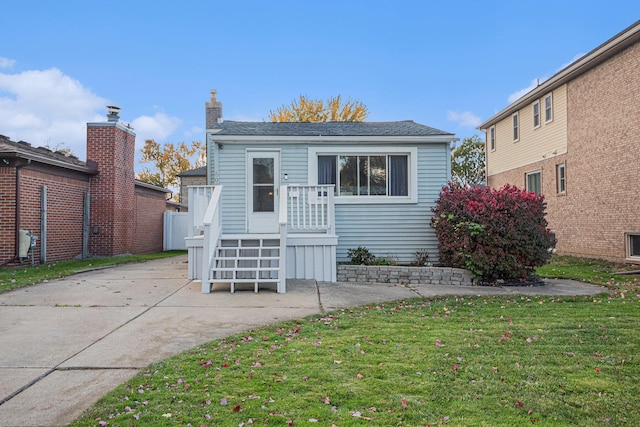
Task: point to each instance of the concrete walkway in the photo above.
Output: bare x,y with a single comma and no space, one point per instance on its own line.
65,343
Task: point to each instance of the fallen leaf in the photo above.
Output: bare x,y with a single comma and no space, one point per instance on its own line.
237,409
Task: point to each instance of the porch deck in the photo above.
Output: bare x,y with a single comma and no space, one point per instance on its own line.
304,247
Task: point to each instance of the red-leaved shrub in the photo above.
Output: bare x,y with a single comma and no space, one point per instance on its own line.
495,234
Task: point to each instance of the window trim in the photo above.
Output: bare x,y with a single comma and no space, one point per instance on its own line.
515,126
627,241
526,180
550,109
492,138
411,152
533,110
561,183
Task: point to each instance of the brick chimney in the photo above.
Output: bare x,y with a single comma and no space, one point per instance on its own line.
112,202
213,111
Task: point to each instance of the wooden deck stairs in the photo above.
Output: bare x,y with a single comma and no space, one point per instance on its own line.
251,259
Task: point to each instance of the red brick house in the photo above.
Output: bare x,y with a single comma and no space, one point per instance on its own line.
575,139
76,208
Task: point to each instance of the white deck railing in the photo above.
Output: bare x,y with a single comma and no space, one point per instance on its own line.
305,209
212,227
199,197
310,208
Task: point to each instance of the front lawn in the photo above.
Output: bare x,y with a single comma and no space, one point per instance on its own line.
594,271
479,361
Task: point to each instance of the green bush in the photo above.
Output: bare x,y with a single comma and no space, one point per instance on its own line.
361,256
496,234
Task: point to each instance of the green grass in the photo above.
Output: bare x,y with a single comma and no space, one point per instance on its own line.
18,277
490,361
594,271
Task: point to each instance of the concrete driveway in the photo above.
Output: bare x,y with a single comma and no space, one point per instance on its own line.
65,343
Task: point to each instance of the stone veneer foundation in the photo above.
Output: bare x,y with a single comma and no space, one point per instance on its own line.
404,275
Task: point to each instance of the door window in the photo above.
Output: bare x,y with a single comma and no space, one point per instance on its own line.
263,184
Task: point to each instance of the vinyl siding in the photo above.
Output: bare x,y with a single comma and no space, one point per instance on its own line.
533,143
396,230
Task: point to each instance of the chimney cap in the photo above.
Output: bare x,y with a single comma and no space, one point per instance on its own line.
213,93
113,113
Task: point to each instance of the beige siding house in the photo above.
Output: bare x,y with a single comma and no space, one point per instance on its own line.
576,140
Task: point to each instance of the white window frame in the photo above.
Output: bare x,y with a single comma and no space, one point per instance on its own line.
515,126
526,179
536,116
628,246
561,181
492,138
548,118
412,163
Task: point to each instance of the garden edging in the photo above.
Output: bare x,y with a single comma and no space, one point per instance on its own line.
404,275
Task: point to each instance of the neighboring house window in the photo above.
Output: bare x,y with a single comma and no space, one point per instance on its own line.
561,178
362,175
492,138
633,245
516,127
536,114
534,182
548,108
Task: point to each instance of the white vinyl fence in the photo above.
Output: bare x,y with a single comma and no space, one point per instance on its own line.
176,228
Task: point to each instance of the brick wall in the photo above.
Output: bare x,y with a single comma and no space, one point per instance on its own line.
112,147
65,211
150,207
603,196
64,199
7,213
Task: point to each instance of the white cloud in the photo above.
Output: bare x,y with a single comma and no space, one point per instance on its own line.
518,94
6,62
157,127
538,81
465,118
47,107
196,133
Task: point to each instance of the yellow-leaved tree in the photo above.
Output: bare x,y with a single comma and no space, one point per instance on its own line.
305,109
168,161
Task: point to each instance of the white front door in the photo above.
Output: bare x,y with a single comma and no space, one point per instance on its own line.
263,188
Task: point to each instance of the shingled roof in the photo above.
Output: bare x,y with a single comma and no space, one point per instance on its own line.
400,128
24,150
201,171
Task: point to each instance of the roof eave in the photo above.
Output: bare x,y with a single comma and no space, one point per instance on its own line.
49,161
289,139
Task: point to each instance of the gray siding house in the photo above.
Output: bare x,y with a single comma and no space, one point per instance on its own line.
293,198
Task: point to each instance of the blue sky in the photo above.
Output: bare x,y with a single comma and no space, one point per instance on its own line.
446,64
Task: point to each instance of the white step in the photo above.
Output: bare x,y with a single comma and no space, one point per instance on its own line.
234,250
